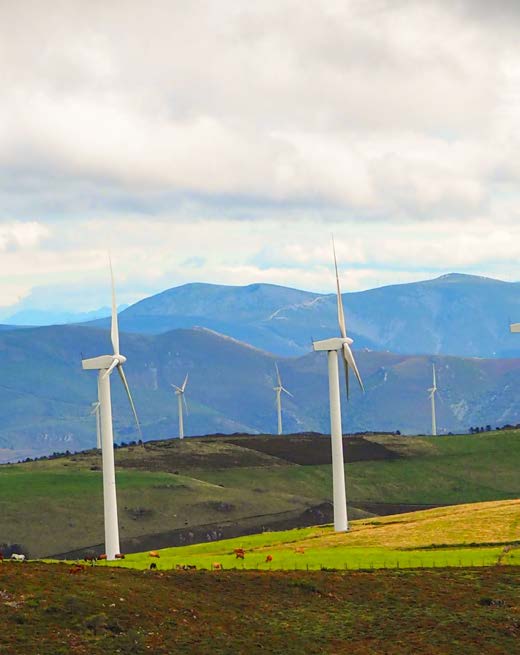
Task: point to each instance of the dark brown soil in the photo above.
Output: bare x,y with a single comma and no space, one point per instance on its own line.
315,449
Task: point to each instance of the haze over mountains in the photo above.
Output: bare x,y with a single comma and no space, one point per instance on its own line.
45,400
454,314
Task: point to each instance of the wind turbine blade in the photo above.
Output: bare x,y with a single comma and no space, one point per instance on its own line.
184,383
177,389
287,392
110,369
341,313
185,404
349,359
434,377
127,388
279,379
114,329
95,407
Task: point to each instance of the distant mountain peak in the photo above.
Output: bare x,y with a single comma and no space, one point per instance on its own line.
466,277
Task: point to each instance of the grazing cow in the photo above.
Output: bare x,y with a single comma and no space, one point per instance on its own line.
300,550
240,553
153,566
77,568
269,559
154,553
101,557
216,566
18,557
90,558
120,556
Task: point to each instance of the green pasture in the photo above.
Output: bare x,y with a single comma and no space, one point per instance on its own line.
481,534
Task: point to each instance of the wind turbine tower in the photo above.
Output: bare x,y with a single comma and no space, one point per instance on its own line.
95,410
179,392
279,389
332,347
105,365
433,391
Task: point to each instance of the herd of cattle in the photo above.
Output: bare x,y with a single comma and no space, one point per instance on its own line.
239,553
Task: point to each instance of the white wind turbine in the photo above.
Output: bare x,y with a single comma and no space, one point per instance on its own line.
332,346
279,389
105,364
179,392
433,391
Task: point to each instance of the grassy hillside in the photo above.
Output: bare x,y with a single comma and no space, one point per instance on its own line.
214,487
463,535
46,610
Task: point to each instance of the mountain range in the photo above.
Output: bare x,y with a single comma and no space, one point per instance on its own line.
45,395
461,315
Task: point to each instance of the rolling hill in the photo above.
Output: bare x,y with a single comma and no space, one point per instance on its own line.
45,399
202,489
460,315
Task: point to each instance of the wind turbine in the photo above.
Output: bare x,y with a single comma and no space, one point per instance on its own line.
105,365
179,392
279,388
433,391
332,346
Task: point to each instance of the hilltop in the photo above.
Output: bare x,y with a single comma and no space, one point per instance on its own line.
202,489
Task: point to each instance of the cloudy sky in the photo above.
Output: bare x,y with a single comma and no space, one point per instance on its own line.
224,141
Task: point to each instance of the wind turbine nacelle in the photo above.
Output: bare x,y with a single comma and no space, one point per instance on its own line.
515,327
97,363
331,344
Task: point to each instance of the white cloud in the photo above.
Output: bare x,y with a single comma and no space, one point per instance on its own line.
357,104
222,141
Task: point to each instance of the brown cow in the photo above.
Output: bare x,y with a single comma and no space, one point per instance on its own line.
103,556
216,566
77,568
300,550
154,553
120,556
269,559
240,553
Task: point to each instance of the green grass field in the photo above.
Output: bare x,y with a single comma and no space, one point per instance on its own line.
54,506
480,534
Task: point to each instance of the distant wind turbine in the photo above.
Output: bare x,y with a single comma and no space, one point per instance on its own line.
332,346
433,391
279,389
179,392
105,364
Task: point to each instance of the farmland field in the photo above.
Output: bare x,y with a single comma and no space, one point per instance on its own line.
480,534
